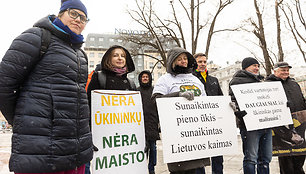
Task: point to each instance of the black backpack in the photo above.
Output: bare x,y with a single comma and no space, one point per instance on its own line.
45,42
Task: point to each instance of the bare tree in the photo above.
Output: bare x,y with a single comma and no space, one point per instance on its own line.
258,31
294,23
278,30
145,16
221,6
162,30
194,20
194,17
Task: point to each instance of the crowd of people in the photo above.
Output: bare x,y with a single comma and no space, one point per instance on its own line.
44,96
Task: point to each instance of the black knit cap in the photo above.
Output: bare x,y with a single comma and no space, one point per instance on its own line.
73,4
246,62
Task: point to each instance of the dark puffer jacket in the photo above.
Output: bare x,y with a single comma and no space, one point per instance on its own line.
149,108
46,102
296,100
242,77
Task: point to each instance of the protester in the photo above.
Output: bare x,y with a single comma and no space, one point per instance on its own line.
151,120
257,144
43,95
111,74
115,64
212,88
290,140
179,82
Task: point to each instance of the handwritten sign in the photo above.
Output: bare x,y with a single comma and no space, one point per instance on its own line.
265,104
196,129
118,132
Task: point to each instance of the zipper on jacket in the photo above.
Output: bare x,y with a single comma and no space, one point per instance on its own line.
78,106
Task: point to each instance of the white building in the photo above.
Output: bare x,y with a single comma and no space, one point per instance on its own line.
225,75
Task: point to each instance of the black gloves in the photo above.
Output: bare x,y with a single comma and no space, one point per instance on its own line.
288,104
240,114
95,148
146,149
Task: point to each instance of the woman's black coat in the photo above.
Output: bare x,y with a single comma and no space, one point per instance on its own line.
46,101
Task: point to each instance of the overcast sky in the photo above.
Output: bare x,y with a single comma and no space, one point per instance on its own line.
19,15
106,15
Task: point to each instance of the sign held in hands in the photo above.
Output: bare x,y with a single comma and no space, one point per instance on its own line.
265,104
196,129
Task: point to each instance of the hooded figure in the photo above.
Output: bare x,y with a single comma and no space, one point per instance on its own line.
170,84
44,97
151,120
179,82
149,107
116,78
174,69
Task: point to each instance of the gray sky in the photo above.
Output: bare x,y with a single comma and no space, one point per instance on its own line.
106,15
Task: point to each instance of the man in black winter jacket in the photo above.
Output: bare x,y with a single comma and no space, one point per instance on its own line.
257,144
290,139
150,117
212,88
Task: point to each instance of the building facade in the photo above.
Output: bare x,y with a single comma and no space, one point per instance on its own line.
225,75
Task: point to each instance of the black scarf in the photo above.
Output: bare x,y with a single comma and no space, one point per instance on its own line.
180,70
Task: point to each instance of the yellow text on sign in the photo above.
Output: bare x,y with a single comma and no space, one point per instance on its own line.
117,100
117,118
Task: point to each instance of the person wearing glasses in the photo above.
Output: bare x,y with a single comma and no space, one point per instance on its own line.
43,95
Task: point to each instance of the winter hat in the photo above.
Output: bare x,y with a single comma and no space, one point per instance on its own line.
246,62
73,4
282,65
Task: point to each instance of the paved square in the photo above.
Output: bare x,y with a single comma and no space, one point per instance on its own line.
232,163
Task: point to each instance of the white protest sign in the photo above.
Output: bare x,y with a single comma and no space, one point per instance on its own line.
265,104
203,127
118,132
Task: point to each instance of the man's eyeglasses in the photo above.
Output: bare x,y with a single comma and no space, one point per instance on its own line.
74,14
